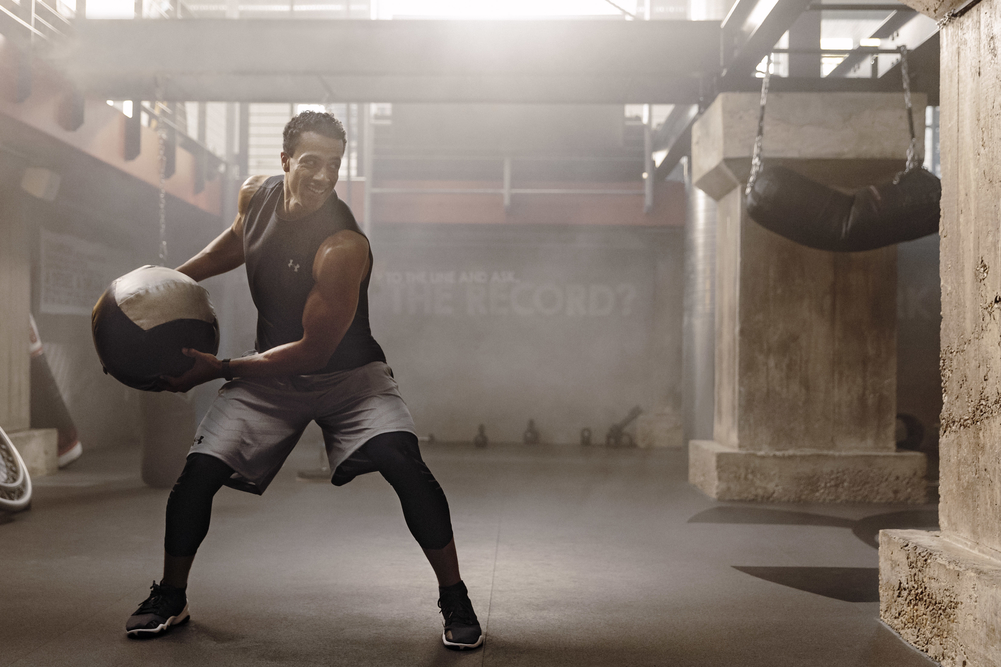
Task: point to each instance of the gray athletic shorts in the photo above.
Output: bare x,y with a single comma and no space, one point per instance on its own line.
254,423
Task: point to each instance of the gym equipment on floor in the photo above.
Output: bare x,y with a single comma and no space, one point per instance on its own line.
15,481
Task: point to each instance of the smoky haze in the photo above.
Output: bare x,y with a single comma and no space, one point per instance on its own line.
570,321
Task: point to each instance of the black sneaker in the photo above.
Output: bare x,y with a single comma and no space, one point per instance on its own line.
165,606
462,630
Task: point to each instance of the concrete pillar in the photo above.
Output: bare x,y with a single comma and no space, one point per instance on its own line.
699,321
805,395
38,447
15,299
941,591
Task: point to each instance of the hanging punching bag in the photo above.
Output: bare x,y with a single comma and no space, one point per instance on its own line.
818,216
798,208
903,210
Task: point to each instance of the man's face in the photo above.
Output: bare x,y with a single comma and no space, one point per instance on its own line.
311,173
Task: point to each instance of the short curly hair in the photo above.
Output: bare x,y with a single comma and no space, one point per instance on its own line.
320,122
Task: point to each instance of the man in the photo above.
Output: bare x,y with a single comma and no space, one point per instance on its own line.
308,266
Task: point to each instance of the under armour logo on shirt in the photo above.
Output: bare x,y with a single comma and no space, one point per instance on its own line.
199,439
292,265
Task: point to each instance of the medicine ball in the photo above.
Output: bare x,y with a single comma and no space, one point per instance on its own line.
143,321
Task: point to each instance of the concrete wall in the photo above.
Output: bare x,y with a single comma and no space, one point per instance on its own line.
790,339
497,325
971,278
940,590
15,292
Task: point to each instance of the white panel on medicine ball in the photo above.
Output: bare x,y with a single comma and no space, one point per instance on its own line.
177,296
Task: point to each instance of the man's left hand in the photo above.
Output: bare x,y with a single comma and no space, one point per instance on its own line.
207,367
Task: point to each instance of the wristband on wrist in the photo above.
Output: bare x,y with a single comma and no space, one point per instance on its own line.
227,372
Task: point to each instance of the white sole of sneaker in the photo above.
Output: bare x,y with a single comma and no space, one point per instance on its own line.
461,647
71,455
180,619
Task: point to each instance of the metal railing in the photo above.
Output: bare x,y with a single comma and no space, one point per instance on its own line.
37,19
507,191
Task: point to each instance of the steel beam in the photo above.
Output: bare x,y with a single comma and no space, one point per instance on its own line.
892,24
822,85
750,31
681,147
667,132
393,61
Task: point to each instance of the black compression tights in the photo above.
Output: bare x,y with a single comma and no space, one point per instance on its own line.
395,455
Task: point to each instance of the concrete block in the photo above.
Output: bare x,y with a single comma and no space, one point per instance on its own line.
936,9
15,295
941,597
806,476
39,449
806,342
846,140
970,443
659,429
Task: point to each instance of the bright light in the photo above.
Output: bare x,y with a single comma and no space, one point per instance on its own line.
299,108
496,9
759,13
427,9
124,106
837,44
871,42
111,9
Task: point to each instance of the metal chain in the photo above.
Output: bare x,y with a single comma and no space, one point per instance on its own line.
954,14
913,159
161,133
162,136
758,139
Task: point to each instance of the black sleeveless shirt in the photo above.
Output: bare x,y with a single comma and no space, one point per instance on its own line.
279,255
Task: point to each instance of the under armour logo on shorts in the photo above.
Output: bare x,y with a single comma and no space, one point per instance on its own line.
292,265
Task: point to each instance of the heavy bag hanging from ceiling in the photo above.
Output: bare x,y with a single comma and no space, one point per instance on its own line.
818,216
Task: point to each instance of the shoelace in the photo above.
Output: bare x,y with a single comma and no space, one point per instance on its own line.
152,603
455,608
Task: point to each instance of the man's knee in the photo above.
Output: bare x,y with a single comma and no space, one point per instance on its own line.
395,453
189,506
201,474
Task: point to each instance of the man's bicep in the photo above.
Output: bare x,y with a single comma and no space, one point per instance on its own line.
333,301
325,319
341,261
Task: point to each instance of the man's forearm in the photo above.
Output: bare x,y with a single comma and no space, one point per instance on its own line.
223,254
298,358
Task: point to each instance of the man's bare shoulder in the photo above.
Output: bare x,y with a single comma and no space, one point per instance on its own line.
347,239
342,249
248,190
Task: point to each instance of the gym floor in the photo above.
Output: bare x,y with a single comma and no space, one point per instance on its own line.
572,556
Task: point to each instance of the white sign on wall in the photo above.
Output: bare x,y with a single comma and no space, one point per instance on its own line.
75,272
480,292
